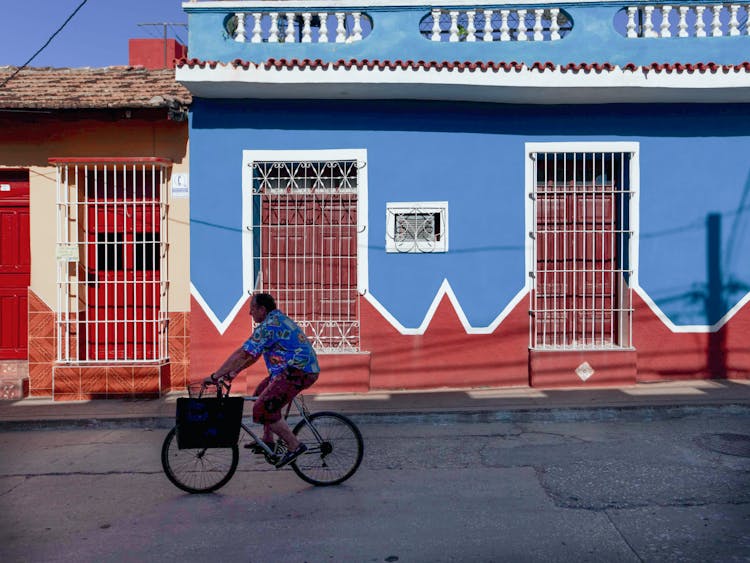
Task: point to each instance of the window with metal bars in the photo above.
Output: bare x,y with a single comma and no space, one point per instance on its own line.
112,260
304,226
417,227
581,295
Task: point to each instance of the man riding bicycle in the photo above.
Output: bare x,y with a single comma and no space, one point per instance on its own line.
292,367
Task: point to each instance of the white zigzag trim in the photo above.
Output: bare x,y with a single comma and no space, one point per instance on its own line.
690,328
221,326
446,289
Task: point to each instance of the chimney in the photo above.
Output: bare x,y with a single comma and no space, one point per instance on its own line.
155,53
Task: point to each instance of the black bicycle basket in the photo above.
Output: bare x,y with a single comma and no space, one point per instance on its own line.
208,423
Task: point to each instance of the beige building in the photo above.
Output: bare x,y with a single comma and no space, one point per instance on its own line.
94,239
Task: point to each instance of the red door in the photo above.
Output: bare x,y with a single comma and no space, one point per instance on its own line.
15,264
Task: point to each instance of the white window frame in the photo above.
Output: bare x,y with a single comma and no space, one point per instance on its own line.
249,158
73,251
394,209
531,149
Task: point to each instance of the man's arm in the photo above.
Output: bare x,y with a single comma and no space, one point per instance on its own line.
235,363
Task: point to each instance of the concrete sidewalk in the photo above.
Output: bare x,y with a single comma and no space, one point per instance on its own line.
640,401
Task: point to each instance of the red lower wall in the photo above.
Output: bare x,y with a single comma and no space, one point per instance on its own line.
666,355
446,356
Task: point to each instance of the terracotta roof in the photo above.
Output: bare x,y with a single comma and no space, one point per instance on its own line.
471,66
90,88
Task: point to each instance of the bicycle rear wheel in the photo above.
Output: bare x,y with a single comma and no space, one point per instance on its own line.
335,449
200,470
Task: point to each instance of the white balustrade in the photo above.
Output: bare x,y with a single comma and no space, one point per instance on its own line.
485,24
292,27
724,20
474,24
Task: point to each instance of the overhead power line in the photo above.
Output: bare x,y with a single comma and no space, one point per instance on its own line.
59,29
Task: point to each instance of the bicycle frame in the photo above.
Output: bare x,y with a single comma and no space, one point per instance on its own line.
222,390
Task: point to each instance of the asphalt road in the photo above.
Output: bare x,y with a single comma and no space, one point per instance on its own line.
428,491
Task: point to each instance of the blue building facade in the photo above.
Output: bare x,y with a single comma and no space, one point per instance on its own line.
475,194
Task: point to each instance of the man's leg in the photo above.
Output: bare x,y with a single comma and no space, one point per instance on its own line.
267,434
281,428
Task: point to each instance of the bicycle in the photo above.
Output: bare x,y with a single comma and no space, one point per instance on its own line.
335,449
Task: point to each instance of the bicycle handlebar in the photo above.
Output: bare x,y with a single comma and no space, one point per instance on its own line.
222,386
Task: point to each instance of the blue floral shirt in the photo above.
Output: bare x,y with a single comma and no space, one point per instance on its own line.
283,345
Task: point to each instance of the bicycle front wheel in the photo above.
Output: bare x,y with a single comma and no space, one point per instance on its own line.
334,448
199,470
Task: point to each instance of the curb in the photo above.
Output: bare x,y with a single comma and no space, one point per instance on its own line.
624,413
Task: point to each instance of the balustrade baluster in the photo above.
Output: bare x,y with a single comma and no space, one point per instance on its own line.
648,23
454,27
323,31
257,30
273,31
521,35
665,30
700,25
504,29
471,29
487,25
716,21
239,34
340,29
734,22
538,35
554,27
357,29
630,26
682,24
435,25
306,29
289,28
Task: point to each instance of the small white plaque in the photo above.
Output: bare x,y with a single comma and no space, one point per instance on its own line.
67,252
4,187
584,371
180,185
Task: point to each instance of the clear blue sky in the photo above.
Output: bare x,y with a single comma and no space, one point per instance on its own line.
96,36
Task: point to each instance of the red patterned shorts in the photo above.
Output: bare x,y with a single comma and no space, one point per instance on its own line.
274,394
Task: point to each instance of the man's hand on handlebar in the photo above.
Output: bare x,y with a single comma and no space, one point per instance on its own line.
214,379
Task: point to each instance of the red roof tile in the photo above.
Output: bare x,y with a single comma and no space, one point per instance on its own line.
90,88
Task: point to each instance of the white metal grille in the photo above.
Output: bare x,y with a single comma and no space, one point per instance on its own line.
417,227
581,296
305,237
112,261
